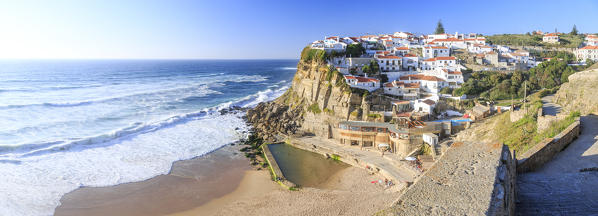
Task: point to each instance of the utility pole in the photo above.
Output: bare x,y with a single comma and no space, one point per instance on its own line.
525,96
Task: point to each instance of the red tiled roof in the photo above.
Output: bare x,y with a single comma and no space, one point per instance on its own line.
429,102
454,72
362,79
439,47
441,58
448,40
402,48
420,77
400,102
409,55
399,83
590,47
389,57
551,34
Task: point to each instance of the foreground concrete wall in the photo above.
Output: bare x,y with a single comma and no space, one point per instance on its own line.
546,150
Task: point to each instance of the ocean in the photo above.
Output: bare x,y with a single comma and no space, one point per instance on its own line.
65,124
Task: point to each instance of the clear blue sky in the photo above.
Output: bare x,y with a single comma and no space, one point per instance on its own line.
223,29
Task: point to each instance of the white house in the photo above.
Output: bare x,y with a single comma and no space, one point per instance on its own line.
477,40
410,62
389,63
426,106
435,51
587,52
366,83
430,84
438,62
407,91
433,37
452,43
551,38
478,48
401,51
503,49
592,40
430,138
355,64
329,45
403,34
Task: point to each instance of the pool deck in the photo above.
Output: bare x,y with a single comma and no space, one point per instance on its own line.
390,165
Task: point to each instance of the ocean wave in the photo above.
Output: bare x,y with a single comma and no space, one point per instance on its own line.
27,150
288,68
199,87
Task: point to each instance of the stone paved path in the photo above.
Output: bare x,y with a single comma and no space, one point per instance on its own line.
558,188
549,107
461,183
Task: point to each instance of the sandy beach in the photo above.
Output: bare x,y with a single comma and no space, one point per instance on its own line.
222,183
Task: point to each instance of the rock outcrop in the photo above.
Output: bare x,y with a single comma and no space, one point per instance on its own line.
316,101
579,94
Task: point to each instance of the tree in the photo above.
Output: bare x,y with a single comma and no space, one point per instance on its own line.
574,30
439,28
355,50
374,67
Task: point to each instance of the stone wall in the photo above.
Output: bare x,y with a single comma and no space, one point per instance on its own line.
504,194
517,115
539,48
546,150
545,121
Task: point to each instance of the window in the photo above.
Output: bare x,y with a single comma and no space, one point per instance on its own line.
367,129
381,130
367,143
353,128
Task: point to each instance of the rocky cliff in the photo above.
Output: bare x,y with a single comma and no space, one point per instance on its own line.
316,101
580,93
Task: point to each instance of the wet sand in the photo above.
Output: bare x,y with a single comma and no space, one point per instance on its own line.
190,183
221,183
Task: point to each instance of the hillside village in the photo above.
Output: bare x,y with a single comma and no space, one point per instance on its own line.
412,74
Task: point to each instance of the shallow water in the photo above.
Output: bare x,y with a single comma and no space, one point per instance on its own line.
304,168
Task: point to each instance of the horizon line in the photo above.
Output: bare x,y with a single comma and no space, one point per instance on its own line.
4,59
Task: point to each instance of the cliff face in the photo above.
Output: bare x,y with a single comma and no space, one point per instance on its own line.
580,93
317,100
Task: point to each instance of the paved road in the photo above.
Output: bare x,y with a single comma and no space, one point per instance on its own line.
550,108
558,188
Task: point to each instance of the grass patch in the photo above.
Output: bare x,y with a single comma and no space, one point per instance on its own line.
314,108
374,115
523,134
556,127
329,111
335,157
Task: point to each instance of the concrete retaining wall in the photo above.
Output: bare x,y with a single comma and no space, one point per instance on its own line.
546,150
275,169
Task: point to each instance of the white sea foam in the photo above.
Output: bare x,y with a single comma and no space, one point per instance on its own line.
35,185
34,182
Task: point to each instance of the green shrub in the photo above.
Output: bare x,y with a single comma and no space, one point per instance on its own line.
374,115
329,111
314,108
308,54
335,157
